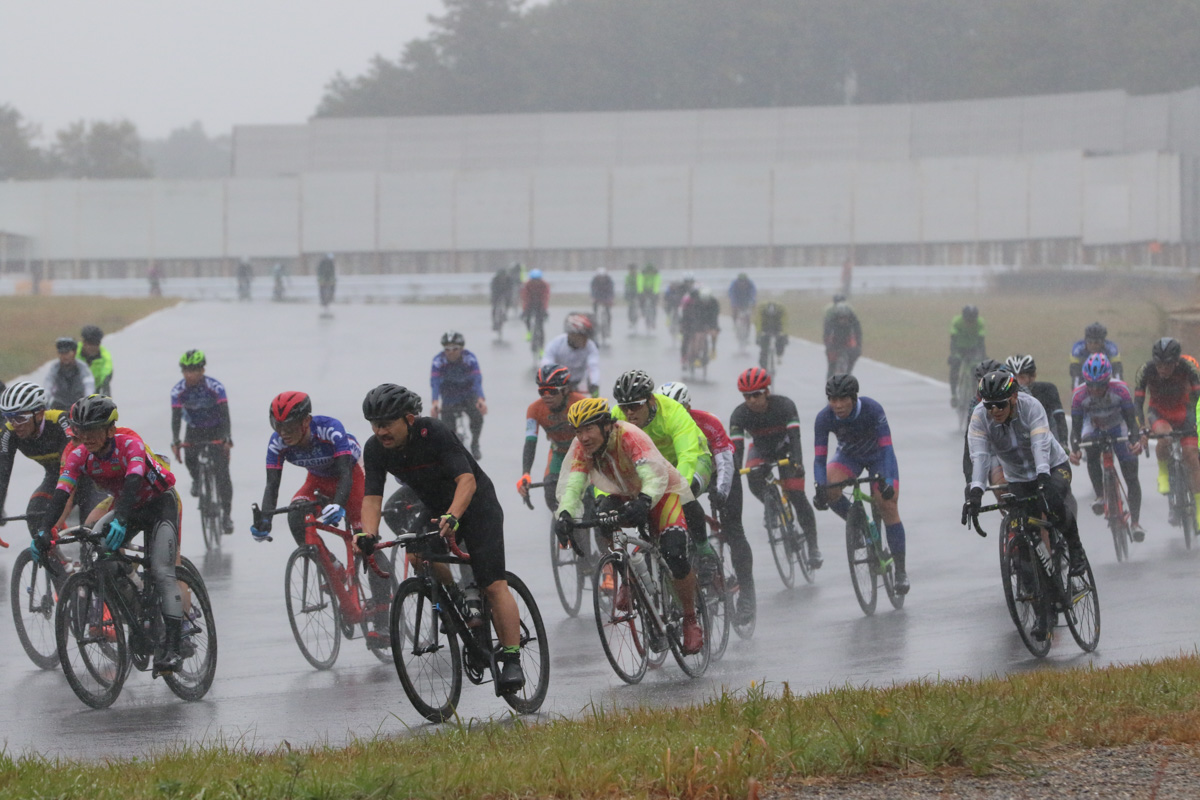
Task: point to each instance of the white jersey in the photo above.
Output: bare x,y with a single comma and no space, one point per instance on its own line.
582,362
1024,444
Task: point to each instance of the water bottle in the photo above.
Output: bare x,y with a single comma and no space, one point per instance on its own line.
472,606
642,570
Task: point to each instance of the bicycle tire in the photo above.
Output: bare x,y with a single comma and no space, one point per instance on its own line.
92,647
776,536
966,393
623,634
568,574
711,589
1117,516
32,595
769,366
210,508
798,551
695,664
1084,619
860,552
1187,514
195,675
384,654
428,661
312,608
535,651
1024,588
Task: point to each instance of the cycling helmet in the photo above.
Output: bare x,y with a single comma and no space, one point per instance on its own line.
1096,332
589,411
1097,369
1020,365
535,274
997,385
970,313
601,270
578,323
405,513
676,391
989,365
1166,350
23,396
633,386
92,412
841,385
289,406
754,379
192,359
743,276
64,343
839,298
842,311
553,376
689,277
91,334
453,338
388,402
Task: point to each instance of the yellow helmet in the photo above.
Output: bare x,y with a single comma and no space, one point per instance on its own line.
588,411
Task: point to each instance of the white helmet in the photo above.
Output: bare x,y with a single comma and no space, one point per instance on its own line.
676,391
21,397
601,270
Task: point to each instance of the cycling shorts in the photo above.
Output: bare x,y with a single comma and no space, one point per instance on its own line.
327,487
1177,417
883,465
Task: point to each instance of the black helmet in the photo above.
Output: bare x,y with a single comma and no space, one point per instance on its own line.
839,298
93,411
633,386
1096,332
997,385
841,385
388,402
553,376
91,334
988,365
405,513
970,313
453,338
64,343
1166,350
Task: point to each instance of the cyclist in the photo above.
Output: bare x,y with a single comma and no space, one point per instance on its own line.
843,333
245,276
603,292
773,424
743,295
1105,404
97,357
1025,369
1095,340
677,437
426,456
864,443
279,274
673,298
68,378
326,279
772,323
693,327
501,291
535,302
575,350
639,486
1174,389
981,369
144,499
720,495
516,279
651,288
633,291
710,318
201,400
41,435
967,333
457,386
548,412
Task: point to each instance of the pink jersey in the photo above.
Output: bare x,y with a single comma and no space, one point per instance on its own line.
714,431
126,455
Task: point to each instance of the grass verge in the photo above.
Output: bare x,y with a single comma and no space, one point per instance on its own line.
31,324
716,749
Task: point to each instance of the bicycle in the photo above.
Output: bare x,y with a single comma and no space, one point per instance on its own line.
733,588
967,386
325,600
109,621
839,361
1116,501
457,419
433,647
573,565
212,512
697,355
602,313
1180,500
326,290
638,626
867,552
741,326
788,547
537,335
770,355
1035,569
649,302
499,316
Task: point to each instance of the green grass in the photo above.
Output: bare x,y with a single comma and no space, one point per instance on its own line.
31,324
764,734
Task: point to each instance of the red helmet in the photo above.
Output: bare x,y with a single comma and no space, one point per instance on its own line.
288,406
754,379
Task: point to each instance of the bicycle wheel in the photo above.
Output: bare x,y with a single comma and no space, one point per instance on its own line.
384,654
966,393
428,661
92,648
535,651
695,664
198,644
1187,509
1116,515
777,536
622,629
770,359
568,574
1083,618
1024,588
861,553
210,508
499,315
312,608
32,594
710,584
797,541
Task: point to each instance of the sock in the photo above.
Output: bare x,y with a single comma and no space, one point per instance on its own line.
895,537
841,506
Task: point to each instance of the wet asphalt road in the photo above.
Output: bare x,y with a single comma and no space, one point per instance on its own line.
954,624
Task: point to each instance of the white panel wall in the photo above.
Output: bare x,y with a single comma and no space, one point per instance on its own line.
994,126
58,209
423,144
416,211
264,217
188,219
262,151
577,140
1056,195
937,130
814,203
1003,198
650,207
114,218
345,145
338,212
949,187
887,203
658,137
727,136
570,208
500,141
813,134
492,210
731,205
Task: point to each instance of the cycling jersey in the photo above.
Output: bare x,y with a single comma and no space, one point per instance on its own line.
842,328
677,437
742,294
204,405
775,432
633,284
1046,393
1111,411
651,282
327,440
1024,445
535,296
583,361
772,319
65,385
719,445
864,442
1172,398
602,289
101,366
125,455
559,432
326,272
1080,353
501,287
966,337
456,383
45,448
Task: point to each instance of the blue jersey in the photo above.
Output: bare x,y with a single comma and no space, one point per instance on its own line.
456,382
200,403
742,294
327,440
864,440
1079,354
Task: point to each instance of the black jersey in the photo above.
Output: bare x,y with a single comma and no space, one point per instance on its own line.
46,448
776,431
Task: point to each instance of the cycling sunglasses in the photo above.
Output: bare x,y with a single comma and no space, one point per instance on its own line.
288,426
627,407
550,391
992,405
19,419
759,393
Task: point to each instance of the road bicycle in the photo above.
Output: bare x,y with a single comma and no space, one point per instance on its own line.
866,550
458,420
789,547
696,360
732,587
649,301
499,316
109,621
602,313
325,600
326,290
967,386
212,513
840,361
769,355
1035,570
1180,500
1116,501
433,646
574,564
537,336
712,588
741,326
639,615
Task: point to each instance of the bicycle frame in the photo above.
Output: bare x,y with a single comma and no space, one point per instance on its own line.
1116,501
862,499
1181,498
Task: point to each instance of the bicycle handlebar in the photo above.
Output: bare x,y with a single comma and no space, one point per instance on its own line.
525,497
783,462
406,540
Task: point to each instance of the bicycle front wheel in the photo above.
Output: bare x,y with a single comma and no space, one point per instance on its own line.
568,573
860,551
92,648
693,664
198,643
1118,516
1187,511
32,594
710,586
428,661
1083,618
1025,588
535,651
620,618
312,608
777,536
210,508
